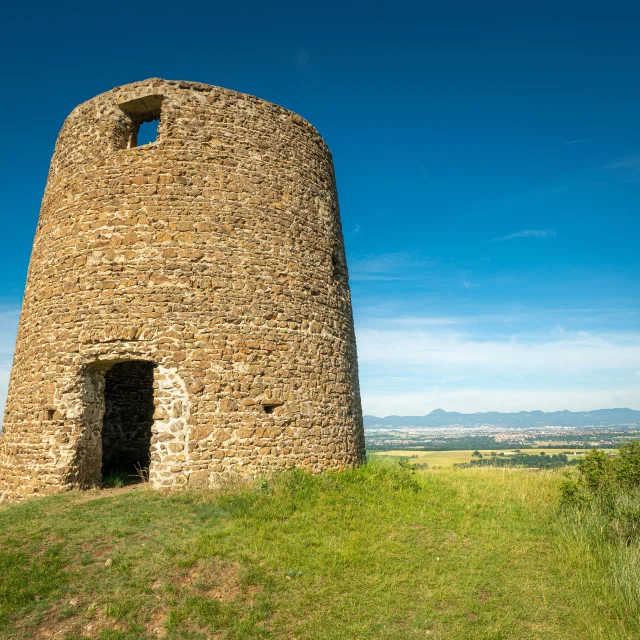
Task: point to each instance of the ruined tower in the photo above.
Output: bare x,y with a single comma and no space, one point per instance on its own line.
187,306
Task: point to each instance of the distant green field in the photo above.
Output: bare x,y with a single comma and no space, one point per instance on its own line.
449,458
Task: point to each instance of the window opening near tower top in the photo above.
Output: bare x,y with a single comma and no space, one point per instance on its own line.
144,119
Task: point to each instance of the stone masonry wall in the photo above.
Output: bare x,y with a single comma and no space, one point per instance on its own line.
215,253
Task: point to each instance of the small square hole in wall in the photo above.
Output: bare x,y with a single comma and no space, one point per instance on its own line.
50,414
269,408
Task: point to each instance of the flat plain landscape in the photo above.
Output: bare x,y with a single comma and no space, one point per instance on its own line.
454,437
449,458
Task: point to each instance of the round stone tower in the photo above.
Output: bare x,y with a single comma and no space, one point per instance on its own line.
187,307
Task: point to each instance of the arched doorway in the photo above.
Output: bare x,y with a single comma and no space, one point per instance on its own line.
128,418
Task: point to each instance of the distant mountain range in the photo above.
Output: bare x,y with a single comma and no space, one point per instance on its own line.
441,418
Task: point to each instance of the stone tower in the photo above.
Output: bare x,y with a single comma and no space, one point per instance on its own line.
187,306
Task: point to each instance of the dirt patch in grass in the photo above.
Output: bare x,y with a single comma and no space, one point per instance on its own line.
69,618
201,587
107,492
218,580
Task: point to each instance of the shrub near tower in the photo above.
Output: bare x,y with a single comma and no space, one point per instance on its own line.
187,305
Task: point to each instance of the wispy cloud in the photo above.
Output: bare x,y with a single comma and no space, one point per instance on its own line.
528,233
388,266
454,352
627,169
624,163
571,142
302,59
416,321
410,366
448,351
355,230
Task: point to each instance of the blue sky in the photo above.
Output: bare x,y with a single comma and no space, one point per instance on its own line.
488,166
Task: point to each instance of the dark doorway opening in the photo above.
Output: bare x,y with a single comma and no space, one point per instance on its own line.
128,417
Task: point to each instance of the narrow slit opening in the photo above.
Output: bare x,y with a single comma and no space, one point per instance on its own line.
339,266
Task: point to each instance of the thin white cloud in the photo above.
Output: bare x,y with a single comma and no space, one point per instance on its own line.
626,169
528,233
628,162
451,379
463,363
454,352
355,230
416,321
388,266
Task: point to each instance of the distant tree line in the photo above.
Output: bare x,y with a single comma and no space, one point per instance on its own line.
469,443
528,460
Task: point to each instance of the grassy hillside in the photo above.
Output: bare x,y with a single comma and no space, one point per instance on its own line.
374,553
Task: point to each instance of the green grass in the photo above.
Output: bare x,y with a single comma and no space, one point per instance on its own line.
116,480
610,560
373,553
